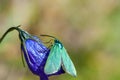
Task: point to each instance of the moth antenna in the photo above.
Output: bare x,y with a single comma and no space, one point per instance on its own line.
45,35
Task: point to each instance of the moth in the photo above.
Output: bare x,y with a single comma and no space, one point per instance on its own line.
58,57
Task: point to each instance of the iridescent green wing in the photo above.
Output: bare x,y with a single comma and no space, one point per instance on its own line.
53,63
67,65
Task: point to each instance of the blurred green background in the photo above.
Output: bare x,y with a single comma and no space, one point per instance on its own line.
89,30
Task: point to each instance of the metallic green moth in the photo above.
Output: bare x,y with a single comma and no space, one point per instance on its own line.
58,58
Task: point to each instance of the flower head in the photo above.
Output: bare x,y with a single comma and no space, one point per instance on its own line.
35,53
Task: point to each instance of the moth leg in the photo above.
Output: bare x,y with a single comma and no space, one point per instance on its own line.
50,41
49,47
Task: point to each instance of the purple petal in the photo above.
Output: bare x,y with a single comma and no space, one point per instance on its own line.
38,54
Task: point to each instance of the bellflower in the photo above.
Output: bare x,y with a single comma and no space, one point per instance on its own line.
35,53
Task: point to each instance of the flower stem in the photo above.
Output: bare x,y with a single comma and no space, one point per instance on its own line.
9,30
43,76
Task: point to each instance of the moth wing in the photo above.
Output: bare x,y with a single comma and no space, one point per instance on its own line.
67,65
53,63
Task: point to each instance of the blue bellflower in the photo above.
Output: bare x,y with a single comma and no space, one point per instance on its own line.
35,53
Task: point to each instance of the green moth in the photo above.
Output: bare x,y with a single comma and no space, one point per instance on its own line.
58,58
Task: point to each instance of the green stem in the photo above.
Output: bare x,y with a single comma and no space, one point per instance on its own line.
9,30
